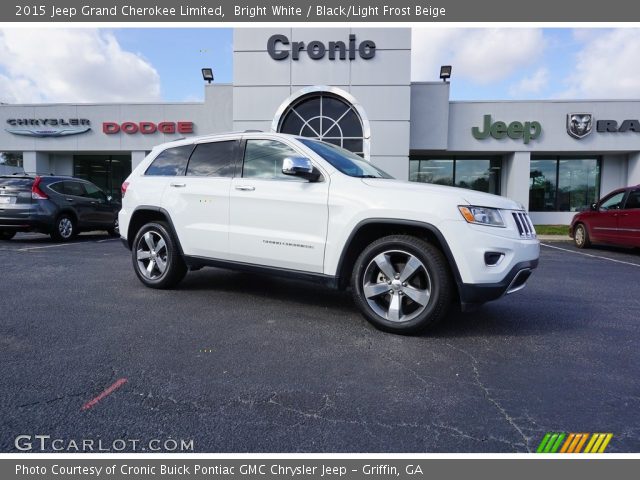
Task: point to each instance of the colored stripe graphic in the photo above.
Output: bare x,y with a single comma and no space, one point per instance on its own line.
573,442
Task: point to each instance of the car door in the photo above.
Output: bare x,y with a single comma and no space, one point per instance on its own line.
277,220
75,197
198,202
603,225
102,213
629,220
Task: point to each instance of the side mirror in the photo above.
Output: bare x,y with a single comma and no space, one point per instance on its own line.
300,167
594,207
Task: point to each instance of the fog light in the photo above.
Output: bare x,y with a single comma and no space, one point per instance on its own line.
491,259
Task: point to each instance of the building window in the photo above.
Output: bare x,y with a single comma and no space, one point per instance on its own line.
482,174
11,159
560,184
325,116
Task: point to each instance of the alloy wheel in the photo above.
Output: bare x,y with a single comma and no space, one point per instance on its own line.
397,285
151,255
65,227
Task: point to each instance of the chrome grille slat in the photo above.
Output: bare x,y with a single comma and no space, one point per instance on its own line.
525,227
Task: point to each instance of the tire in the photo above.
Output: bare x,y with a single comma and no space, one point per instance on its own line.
115,230
581,236
65,228
419,300
7,234
154,245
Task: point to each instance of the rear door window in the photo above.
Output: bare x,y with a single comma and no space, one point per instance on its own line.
633,201
75,189
171,162
215,159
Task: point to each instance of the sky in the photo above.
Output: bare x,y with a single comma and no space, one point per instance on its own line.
163,64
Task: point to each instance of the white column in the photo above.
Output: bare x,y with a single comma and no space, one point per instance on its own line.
36,162
633,169
515,177
136,158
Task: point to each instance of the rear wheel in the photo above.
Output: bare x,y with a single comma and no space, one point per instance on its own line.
7,234
402,284
156,258
581,236
64,228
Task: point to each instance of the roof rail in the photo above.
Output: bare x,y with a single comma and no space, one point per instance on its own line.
253,131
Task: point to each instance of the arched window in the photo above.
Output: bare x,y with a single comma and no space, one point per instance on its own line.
326,116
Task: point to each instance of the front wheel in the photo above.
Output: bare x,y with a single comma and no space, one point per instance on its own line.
402,284
581,236
114,231
156,259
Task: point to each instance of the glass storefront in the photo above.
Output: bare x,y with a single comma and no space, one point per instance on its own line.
559,184
11,159
482,174
106,171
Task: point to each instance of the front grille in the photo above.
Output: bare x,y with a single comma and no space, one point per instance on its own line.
525,227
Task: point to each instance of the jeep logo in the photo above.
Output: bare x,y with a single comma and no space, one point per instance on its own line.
317,50
526,131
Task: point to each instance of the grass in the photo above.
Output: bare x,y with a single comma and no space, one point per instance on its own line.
552,230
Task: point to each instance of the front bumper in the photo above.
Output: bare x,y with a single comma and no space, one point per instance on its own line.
477,294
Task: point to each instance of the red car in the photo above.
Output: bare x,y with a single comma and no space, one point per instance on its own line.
614,220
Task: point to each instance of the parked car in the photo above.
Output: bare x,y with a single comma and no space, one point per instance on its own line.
614,220
306,209
57,205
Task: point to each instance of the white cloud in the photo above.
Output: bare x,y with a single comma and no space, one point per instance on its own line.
607,65
533,84
72,65
481,56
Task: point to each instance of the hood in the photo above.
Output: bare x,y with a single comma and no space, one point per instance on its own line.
462,196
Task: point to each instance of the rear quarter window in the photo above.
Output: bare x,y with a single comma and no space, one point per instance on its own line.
170,162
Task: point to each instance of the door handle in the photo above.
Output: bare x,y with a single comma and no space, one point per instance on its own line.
246,188
69,199
178,185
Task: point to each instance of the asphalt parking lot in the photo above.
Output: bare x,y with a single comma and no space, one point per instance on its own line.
243,363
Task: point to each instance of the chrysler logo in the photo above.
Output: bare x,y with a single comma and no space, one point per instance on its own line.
579,125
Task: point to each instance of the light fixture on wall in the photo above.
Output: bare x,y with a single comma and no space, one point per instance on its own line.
207,74
445,72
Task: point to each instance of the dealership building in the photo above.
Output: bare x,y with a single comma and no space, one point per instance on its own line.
352,87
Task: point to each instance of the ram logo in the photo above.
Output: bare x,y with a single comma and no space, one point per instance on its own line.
579,125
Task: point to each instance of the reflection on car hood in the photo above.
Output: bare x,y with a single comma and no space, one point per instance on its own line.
463,196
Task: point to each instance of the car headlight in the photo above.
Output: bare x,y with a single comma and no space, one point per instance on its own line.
482,215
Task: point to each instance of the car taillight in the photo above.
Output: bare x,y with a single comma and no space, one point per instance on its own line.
36,192
123,188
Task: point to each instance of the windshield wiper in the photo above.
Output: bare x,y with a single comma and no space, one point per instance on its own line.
368,176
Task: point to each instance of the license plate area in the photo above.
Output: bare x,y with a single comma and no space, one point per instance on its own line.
7,200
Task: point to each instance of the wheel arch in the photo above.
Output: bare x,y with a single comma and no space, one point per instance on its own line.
371,229
145,214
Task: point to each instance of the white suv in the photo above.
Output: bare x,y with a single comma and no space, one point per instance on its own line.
302,208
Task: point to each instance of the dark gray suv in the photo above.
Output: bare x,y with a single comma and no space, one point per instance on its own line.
59,206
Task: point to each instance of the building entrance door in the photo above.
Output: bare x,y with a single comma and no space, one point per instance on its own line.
106,171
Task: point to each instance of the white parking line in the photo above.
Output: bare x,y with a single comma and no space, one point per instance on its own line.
48,246
590,255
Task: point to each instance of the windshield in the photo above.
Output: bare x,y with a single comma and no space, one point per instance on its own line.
347,162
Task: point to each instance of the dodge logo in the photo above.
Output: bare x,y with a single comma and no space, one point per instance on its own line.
579,124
